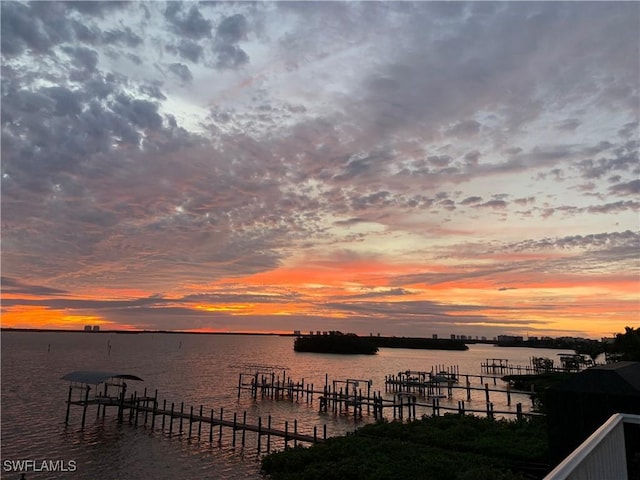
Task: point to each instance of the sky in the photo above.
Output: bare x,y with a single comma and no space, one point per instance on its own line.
398,168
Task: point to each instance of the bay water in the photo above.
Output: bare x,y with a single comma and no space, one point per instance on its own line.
196,369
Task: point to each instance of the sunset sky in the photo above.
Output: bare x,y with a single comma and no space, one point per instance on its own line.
386,167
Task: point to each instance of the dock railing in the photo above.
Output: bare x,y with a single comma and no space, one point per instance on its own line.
601,456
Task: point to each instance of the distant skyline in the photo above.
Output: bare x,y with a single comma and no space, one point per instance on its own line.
388,167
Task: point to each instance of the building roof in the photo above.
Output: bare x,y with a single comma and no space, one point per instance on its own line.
615,378
92,377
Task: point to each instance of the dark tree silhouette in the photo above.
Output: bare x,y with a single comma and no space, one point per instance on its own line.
627,344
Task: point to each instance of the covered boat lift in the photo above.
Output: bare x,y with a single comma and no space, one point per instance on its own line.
84,380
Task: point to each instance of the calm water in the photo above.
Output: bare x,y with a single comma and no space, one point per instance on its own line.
196,369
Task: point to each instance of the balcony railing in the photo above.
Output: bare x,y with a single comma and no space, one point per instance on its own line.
601,456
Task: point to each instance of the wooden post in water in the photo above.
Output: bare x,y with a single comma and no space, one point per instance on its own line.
153,414
295,432
235,421
435,406
164,409
137,404
86,402
533,398
519,412
181,416
104,407
244,426
66,418
200,423
268,433
414,406
211,428
509,393
132,401
255,387
286,434
146,404
259,432
190,421
220,432
171,420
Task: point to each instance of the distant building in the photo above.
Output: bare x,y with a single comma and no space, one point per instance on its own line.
434,336
453,336
296,333
88,328
96,328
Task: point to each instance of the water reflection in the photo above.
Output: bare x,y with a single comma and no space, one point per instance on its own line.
195,369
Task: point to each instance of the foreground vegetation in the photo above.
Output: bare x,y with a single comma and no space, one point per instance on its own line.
439,448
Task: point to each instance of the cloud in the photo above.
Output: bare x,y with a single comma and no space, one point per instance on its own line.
494,204
464,129
177,145
569,124
614,207
232,29
190,50
21,31
471,200
628,188
16,287
191,24
181,71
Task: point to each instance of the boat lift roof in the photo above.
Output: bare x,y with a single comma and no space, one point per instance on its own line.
92,377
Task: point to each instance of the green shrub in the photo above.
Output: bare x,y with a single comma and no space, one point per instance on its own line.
438,448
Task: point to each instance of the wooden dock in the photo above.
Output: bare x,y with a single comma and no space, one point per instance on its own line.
179,419
404,394
569,363
173,418
346,397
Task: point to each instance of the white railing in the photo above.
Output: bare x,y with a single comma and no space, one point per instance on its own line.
601,456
